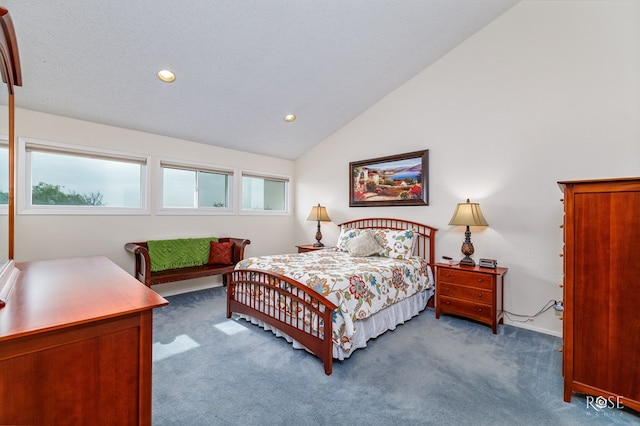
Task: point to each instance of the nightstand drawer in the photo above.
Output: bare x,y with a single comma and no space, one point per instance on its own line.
477,311
468,278
309,247
473,294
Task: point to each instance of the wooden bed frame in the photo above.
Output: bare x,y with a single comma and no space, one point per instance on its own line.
247,288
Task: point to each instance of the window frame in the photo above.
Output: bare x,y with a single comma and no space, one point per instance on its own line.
163,162
24,195
265,175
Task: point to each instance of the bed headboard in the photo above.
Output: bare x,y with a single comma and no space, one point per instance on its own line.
425,244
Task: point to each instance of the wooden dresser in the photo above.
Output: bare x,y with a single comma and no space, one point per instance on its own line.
471,292
601,329
75,345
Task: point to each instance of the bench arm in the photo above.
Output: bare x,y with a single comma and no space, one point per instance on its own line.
238,247
143,262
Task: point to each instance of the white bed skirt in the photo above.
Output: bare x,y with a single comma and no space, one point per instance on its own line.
367,328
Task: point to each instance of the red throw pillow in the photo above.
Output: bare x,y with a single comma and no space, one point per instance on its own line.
221,253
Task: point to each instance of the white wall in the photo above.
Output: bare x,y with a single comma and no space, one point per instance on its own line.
549,91
58,236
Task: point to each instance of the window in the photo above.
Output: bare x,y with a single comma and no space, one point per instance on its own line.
60,178
195,188
265,193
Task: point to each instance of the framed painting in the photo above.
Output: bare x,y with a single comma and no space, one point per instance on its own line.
397,180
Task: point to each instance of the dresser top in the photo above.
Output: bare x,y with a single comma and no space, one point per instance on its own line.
495,271
620,180
54,294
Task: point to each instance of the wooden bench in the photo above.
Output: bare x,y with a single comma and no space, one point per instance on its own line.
143,264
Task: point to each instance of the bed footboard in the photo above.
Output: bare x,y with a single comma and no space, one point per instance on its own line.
287,305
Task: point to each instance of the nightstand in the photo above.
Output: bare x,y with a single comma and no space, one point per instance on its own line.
471,292
309,247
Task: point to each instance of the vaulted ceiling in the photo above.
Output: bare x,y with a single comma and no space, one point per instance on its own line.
240,65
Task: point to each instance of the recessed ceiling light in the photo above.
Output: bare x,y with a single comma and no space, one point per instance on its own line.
289,118
166,76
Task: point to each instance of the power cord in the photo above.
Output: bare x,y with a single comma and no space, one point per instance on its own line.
555,304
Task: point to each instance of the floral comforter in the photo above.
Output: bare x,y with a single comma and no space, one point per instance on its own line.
358,286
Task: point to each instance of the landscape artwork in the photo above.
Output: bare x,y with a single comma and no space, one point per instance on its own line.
397,180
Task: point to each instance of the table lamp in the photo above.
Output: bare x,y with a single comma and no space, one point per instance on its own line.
319,213
468,214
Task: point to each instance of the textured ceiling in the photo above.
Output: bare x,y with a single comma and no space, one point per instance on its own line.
240,65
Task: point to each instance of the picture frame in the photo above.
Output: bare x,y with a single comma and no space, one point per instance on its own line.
396,180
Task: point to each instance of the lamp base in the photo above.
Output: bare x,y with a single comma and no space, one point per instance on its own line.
467,250
318,237
467,261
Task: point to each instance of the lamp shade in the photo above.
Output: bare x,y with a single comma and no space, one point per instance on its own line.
468,214
319,213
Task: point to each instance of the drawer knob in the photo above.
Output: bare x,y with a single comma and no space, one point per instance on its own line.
447,303
479,309
562,226
479,294
561,254
479,280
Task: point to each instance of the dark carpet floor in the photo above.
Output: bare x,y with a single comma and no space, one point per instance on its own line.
209,370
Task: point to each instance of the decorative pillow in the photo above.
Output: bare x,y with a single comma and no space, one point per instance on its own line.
397,244
345,235
221,253
364,244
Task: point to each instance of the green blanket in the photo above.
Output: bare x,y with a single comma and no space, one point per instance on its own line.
179,253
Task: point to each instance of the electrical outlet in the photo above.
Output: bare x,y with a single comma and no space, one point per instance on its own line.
559,308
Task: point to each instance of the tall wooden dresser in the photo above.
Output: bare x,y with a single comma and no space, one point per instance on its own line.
601,329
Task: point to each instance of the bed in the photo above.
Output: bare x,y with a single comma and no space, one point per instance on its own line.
331,301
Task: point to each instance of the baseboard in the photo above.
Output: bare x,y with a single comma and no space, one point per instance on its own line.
537,329
171,289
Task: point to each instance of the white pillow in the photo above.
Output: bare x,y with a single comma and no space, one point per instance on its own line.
364,244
